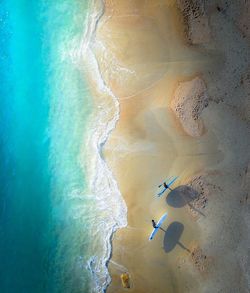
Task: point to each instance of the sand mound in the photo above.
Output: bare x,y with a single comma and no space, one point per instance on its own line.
196,21
190,99
199,259
246,186
200,185
245,81
243,18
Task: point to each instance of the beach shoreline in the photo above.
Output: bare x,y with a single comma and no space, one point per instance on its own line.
111,210
146,61
157,85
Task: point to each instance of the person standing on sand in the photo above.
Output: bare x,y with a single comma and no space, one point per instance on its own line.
166,186
154,224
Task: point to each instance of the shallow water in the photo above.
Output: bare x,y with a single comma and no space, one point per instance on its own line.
45,203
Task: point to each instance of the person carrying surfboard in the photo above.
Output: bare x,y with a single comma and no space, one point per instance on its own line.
154,224
157,226
166,186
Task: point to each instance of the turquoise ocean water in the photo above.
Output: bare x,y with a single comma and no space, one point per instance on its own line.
45,223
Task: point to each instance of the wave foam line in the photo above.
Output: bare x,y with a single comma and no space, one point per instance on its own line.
110,203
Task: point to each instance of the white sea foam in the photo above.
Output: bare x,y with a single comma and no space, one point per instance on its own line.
112,211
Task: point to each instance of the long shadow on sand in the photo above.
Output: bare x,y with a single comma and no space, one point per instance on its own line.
181,196
172,237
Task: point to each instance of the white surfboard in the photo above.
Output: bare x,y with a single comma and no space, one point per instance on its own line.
158,225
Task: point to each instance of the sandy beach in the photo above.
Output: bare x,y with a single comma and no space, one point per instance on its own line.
181,76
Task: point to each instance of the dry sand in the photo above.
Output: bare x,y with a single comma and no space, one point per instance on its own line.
144,58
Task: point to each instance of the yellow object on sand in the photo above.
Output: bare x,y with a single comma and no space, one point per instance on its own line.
125,280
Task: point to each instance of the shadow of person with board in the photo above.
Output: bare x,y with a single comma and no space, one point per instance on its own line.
183,195
172,237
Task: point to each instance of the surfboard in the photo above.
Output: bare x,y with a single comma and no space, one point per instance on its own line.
158,225
168,184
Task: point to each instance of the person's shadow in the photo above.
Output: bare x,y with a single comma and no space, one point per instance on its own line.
172,237
181,196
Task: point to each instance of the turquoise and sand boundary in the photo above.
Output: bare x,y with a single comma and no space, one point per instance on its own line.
100,101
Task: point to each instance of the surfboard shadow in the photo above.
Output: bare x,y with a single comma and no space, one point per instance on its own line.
181,196
172,237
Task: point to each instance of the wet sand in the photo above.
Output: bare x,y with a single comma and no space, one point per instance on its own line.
143,56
